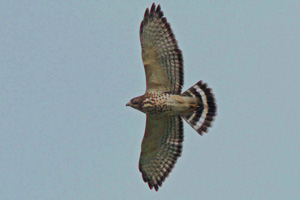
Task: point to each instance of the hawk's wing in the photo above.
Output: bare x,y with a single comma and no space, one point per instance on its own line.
161,147
161,56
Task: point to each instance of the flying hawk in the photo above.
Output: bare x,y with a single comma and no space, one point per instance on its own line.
163,103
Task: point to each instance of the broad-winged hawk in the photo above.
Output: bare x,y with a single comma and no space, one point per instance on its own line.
163,102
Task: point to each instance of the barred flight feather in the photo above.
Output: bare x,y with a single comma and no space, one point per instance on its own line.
156,35
157,166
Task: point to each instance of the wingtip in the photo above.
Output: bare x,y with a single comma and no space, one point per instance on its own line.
152,10
158,9
146,13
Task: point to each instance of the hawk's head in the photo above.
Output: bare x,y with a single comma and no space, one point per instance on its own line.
136,102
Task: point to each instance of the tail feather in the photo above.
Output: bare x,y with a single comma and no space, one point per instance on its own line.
202,117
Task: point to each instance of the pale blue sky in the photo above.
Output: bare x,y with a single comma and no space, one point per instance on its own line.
67,69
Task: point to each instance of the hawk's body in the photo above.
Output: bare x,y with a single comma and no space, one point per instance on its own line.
156,103
163,103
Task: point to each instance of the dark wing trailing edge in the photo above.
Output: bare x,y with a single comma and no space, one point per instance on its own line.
161,147
201,119
162,58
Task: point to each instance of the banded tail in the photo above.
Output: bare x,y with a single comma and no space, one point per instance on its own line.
201,118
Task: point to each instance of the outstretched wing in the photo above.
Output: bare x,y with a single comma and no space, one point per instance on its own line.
161,147
162,58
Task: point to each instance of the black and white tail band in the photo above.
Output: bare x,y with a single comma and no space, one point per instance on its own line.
203,116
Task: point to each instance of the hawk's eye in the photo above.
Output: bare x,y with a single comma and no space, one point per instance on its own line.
134,101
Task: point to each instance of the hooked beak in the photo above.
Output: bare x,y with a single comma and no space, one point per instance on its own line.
128,104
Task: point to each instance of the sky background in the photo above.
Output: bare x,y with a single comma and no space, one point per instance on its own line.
67,69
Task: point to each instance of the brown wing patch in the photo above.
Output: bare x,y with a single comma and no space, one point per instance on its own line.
156,80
